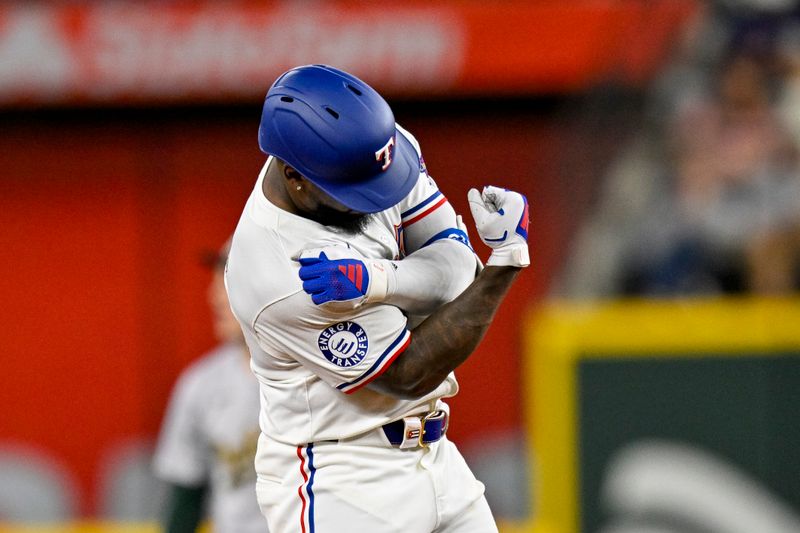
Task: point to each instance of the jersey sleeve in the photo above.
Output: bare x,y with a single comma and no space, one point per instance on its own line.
181,454
426,214
346,350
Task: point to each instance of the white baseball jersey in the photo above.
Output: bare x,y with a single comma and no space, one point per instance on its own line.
310,361
322,458
209,436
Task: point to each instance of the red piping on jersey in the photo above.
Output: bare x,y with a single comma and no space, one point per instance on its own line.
383,369
431,209
300,488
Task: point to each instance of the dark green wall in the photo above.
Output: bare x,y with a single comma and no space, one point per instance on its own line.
744,409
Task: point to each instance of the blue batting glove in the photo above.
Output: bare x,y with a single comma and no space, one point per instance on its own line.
334,280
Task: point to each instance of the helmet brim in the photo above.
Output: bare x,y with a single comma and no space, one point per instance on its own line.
382,190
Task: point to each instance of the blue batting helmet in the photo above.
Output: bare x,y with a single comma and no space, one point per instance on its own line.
340,134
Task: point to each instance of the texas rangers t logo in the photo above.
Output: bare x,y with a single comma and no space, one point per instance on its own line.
344,344
385,153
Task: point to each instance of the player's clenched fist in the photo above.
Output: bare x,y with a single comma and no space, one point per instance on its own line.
336,277
501,217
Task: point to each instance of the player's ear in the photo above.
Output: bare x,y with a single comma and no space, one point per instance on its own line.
293,177
291,174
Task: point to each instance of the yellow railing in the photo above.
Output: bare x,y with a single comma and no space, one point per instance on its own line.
82,527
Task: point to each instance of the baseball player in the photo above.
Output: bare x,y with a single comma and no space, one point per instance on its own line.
356,289
208,440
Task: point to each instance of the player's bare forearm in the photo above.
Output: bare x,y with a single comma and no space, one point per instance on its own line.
448,337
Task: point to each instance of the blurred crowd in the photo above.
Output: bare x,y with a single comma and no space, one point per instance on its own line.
705,198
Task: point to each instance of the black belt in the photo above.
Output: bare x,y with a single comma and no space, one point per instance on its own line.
433,425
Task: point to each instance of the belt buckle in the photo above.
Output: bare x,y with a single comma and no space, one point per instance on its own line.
412,429
424,420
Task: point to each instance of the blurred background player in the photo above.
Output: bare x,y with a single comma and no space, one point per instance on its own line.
208,440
